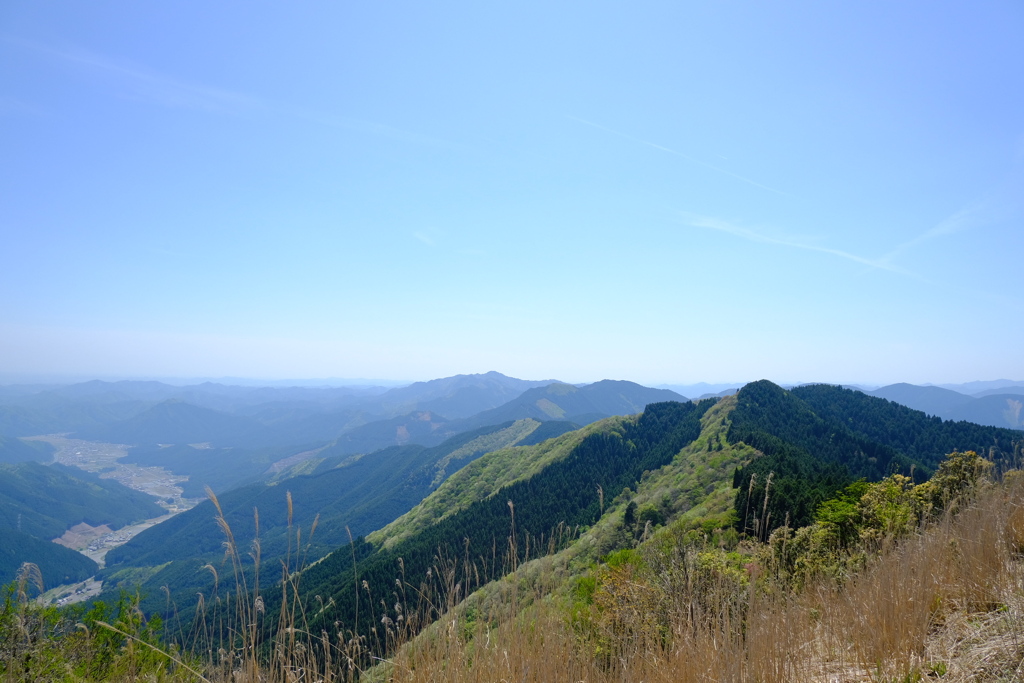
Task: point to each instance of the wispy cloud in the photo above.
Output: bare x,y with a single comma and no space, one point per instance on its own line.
755,236
423,237
985,212
10,105
669,150
147,84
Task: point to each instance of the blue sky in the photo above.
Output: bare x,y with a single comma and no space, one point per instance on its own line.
662,192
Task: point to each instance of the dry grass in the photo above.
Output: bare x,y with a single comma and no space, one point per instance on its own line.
945,604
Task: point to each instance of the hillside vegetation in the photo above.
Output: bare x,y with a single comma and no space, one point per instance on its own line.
345,496
540,512
39,503
14,450
45,501
773,535
766,459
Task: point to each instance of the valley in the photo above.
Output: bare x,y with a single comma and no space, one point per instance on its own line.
104,459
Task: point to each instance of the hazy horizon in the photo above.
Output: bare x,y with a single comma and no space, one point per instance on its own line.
12,379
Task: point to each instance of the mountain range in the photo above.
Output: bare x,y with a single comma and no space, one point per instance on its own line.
393,464
999,407
700,464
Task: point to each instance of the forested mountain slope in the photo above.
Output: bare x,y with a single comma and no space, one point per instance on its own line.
15,450
220,469
39,503
817,439
57,564
559,495
44,501
666,464
345,494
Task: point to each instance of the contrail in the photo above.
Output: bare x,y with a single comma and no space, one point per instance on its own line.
679,154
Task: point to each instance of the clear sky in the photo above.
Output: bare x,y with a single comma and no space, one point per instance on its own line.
661,192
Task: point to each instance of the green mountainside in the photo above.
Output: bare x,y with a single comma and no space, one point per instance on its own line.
554,493
57,564
39,503
818,439
345,494
15,450
697,468
452,510
482,479
44,501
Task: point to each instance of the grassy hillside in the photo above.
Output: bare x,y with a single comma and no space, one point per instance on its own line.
649,548
547,502
484,478
940,604
760,460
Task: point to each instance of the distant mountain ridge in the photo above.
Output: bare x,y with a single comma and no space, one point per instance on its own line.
583,405
805,444
993,409
459,396
439,410
977,387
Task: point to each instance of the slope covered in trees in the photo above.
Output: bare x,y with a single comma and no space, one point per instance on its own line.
44,501
56,563
344,494
564,494
781,456
818,439
39,503
16,450
219,468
